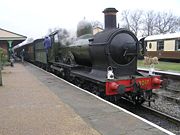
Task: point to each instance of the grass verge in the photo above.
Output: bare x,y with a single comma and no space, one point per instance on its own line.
167,66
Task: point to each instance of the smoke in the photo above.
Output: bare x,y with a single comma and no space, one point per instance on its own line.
84,27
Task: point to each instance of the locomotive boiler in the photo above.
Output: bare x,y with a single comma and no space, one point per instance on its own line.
113,48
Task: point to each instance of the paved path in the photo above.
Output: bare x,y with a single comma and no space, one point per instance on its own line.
28,107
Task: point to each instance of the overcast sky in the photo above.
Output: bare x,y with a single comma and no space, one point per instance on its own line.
33,18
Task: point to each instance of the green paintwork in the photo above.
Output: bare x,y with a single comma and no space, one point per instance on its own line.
40,55
80,49
9,48
53,51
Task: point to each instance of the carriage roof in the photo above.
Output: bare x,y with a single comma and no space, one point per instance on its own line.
163,36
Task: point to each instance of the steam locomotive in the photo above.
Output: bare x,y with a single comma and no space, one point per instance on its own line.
105,63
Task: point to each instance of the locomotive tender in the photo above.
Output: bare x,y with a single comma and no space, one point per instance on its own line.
105,63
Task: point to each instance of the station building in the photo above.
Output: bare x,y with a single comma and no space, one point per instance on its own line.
96,30
9,39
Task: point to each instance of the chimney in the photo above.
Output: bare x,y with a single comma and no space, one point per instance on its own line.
110,18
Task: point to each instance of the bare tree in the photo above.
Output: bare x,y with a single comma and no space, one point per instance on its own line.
49,31
148,23
63,36
63,33
178,24
133,20
96,24
136,21
126,19
166,22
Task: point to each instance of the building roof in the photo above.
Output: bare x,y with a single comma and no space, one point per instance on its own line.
162,36
98,28
8,35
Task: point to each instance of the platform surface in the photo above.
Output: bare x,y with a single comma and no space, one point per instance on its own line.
34,102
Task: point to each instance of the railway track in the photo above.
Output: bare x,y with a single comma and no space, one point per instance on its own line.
159,118
171,85
163,115
163,120
168,95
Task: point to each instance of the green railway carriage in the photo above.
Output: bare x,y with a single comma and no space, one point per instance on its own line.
29,56
29,51
40,52
35,52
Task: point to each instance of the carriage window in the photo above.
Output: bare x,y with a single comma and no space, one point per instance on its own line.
177,45
160,45
150,45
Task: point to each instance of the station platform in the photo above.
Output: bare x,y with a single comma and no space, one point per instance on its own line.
35,102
